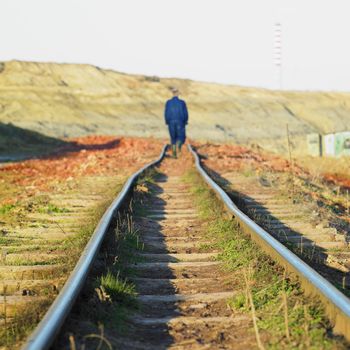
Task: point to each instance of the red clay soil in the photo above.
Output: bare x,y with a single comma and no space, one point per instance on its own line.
84,156
227,158
108,155
235,157
337,179
179,166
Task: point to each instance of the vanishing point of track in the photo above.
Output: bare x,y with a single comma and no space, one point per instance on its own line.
198,266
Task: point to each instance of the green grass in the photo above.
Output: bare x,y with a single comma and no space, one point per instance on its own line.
148,177
6,208
75,244
43,205
146,184
8,241
110,297
248,171
120,290
308,326
20,327
23,323
19,248
52,209
23,261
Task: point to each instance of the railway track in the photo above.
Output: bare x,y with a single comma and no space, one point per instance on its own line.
294,223
182,289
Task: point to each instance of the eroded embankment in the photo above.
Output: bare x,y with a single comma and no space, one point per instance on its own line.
176,273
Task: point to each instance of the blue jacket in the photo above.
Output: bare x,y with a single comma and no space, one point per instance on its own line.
176,111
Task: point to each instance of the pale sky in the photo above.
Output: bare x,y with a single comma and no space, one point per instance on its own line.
226,41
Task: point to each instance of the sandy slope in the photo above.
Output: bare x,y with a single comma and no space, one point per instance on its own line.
73,100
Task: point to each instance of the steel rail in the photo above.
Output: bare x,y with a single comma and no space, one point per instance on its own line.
336,303
44,334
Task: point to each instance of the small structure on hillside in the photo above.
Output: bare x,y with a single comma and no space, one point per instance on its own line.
314,145
330,145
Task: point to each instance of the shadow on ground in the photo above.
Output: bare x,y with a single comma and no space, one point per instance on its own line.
153,277
17,144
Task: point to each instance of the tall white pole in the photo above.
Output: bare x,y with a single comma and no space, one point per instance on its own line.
277,51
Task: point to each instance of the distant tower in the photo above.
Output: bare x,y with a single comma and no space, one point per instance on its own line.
277,51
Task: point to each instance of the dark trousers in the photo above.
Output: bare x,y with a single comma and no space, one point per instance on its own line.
177,132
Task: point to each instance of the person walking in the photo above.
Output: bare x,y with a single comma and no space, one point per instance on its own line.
176,117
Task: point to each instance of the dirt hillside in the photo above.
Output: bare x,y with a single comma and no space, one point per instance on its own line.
65,100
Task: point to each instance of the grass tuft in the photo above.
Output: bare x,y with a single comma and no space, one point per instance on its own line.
6,208
120,290
23,322
52,209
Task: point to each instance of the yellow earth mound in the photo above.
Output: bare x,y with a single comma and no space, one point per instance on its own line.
63,100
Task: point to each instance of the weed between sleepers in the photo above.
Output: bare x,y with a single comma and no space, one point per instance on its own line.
4,209
285,317
13,329
26,318
52,208
109,296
